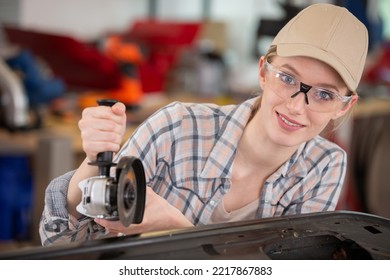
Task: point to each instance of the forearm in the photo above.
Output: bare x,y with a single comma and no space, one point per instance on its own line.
74,193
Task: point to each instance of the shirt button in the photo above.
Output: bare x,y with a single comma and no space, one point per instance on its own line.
212,202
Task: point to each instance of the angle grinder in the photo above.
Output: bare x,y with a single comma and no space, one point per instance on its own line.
114,198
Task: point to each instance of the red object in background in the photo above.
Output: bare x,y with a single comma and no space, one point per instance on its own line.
81,66
160,35
379,71
162,41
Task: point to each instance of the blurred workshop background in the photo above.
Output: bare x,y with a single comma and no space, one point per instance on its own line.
60,56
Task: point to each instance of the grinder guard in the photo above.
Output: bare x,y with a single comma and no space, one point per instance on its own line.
131,190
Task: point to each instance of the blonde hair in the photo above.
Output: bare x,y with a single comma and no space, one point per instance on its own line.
271,52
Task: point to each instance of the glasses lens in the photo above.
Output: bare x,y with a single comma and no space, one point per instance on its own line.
323,101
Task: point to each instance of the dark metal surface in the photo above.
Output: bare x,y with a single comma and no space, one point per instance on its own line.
328,235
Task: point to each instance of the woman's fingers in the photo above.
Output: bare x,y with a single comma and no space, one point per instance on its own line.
102,128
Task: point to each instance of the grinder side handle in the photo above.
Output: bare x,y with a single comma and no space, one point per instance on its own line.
104,159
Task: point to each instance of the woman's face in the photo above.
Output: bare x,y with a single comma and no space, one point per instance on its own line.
287,121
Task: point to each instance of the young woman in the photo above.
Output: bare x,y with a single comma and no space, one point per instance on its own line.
212,164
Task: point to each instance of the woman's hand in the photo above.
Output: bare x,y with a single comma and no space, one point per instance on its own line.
102,129
159,215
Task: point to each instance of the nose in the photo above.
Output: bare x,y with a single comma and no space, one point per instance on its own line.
296,103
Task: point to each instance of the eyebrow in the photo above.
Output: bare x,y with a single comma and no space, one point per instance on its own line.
322,85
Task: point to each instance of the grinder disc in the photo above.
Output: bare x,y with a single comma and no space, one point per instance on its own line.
131,190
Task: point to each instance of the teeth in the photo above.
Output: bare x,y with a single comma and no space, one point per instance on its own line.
289,123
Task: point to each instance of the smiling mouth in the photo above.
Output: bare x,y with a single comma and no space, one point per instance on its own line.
289,123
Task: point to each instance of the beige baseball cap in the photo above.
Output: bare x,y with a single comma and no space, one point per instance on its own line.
328,33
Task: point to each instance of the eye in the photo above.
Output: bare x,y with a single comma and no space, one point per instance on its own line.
324,95
286,79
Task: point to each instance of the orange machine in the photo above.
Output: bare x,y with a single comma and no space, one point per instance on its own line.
128,56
